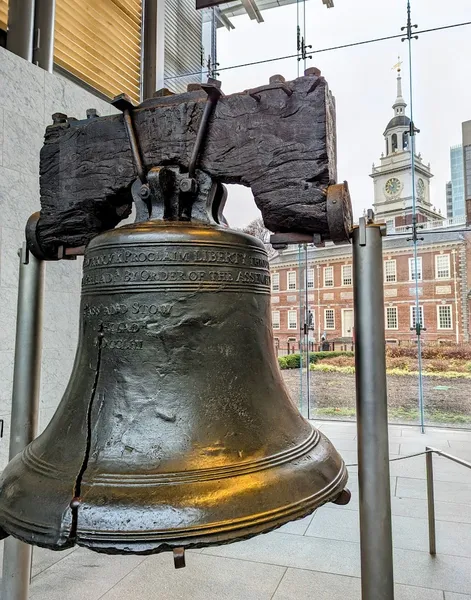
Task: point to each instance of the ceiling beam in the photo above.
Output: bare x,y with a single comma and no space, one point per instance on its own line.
252,10
222,19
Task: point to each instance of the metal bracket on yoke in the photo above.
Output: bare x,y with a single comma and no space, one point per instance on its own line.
277,82
124,104
281,241
189,185
339,222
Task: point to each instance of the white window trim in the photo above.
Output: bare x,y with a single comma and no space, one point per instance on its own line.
310,281
290,289
451,318
325,318
275,277
437,256
421,312
393,261
343,276
274,312
289,323
332,269
386,318
412,266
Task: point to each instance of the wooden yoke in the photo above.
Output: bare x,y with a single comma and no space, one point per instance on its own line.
278,139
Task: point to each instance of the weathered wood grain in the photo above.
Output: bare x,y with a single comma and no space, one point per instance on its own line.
282,146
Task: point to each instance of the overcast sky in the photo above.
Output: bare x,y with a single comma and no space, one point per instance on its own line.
363,81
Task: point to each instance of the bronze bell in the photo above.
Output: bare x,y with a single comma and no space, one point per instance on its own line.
176,430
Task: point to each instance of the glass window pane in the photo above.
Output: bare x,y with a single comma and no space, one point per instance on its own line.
412,274
329,318
292,319
291,280
389,271
442,266
328,276
346,274
391,317
310,278
275,282
445,316
275,317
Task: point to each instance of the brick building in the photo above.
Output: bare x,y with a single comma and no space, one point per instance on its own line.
327,305
319,299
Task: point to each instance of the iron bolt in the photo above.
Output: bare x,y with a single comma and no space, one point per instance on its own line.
58,118
188,185
312,71
92,113
144,192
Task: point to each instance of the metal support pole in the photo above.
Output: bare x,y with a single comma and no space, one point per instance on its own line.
21,28
430,503
44,19
153,47
377,581
25,404
306,332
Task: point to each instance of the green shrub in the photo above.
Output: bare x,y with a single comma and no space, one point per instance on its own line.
293,361
326,354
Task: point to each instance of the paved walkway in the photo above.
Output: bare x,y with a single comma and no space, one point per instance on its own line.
315,558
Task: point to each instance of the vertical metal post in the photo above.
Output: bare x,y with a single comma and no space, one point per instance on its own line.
306,333
300,332
154,47
44,20
432,542
25,404
21,28
377,581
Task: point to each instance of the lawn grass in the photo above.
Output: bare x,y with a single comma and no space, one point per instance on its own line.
402,414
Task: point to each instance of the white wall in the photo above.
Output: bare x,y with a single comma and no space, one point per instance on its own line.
28,98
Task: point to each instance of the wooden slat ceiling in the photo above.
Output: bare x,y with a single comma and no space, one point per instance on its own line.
3,14
99,41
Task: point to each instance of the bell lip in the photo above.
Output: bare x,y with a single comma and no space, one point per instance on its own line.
197,537
227,536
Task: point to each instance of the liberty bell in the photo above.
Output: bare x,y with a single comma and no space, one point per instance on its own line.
176,430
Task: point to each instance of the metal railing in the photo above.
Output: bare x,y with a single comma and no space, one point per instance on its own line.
429,452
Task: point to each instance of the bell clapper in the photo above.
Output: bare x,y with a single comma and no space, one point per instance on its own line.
343,498
179,558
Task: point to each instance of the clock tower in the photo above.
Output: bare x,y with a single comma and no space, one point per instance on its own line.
392,177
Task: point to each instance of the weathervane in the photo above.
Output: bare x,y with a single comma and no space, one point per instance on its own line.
397,66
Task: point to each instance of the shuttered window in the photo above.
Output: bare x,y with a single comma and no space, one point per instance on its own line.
99,41
3,14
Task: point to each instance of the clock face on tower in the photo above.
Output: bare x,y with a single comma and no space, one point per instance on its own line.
393,187
420,188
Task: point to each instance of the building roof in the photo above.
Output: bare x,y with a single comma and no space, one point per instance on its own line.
393,242
398,121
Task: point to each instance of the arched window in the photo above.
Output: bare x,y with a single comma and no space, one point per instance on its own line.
405,141
387,146
393,142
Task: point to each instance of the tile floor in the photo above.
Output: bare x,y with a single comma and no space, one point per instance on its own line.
314,558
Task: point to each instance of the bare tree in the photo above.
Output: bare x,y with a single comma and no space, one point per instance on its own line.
258,230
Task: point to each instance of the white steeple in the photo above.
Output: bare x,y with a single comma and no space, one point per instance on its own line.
393,194
399,105
396,133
